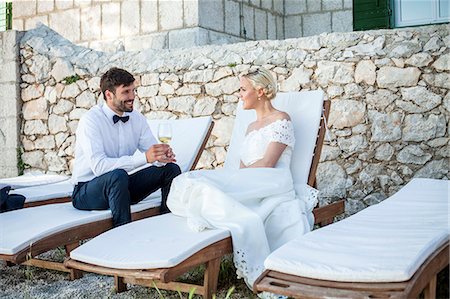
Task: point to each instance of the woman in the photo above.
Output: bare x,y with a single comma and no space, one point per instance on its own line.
256,203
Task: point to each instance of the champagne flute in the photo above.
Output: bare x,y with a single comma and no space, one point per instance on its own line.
164,132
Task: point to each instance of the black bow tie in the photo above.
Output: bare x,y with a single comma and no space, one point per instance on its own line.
124,119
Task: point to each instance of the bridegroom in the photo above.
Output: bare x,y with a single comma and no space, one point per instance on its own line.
106,138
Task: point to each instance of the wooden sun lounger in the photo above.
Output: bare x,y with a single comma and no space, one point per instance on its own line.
212,254
71,237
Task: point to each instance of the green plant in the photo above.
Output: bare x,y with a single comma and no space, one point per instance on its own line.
71,79
21,166
232,64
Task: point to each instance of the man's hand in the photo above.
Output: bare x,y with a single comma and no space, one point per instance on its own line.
160,152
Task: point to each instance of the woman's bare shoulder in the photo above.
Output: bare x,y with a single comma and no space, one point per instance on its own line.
280,115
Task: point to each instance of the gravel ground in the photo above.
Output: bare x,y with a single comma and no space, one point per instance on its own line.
31,282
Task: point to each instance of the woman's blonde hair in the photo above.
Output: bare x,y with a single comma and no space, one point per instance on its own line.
262,78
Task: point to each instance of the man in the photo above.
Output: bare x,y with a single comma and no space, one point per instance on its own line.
106,138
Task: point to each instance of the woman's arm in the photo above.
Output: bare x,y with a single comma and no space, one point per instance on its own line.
270,159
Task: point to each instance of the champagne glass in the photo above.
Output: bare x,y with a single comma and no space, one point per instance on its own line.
164,132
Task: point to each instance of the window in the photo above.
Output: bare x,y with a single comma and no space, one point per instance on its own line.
5,15
376,14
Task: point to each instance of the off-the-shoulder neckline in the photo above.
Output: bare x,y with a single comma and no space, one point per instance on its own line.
268,125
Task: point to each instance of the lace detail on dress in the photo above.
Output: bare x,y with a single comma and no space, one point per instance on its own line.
243,269
283,132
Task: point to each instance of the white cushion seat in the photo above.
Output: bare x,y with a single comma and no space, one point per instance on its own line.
20,228
386,242
157,242
32,179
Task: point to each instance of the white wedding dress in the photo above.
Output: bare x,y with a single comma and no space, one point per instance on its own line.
257,205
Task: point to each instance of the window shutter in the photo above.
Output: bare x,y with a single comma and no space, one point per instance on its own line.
371,14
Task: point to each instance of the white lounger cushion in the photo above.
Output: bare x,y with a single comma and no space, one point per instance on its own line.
188,136
20,228
156,242
386,242
32,179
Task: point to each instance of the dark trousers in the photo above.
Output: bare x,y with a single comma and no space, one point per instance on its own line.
116,190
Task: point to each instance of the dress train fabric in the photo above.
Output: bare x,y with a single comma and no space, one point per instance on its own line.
257,205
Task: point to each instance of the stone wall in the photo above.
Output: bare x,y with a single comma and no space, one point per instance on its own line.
10,104
389,91
162,24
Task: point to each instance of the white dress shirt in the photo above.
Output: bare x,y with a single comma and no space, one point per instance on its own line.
102,145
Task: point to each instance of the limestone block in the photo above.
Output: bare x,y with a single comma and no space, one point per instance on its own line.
444,152
35,127
353,90
171,14
271,26
418,99
27,78
35,109
71,91
56,124
64,4
147,91
299,77
220,154
447,102
206,160
293,7
182,104
365,72
33,22
334,91
433,44
187,38
222,131
232,21
23,9
158,103
72,126
32,92
389,76
62,69
77,113
413,154
211,15
94,83
313,5
384,152
353,144
385,127
44,142
442,63
314,24
54,162
369,174
403,49
45,6
381,98
149,16
60,138
225,86
419,60
160,115
331,180
91,22
334,72
222,73
205,106
10,71
437,169
369,49
130,18
342,21
40,67
248,14
82,84
110,20
229,109
62,107
331,5
86,99
418,127
438,80
329,153
200,76
166,89
346,113
66,23
438,142
35,159
150,79
50,94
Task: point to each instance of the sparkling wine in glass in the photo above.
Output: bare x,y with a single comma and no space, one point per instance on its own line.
164,132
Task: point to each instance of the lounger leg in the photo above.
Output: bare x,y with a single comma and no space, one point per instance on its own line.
211,278
119,285
74,273
10,264
430,289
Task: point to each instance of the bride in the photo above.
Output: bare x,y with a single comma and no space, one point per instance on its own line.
256,203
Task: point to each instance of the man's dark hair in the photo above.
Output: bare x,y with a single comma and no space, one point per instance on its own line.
114,78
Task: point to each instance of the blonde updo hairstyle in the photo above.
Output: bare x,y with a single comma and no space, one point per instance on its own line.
262,78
